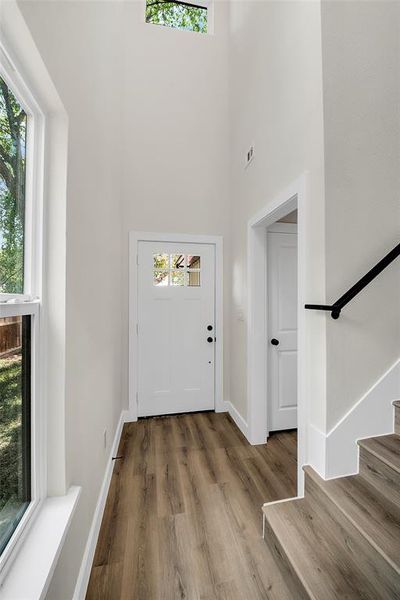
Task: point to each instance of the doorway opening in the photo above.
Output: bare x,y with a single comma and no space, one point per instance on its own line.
276,275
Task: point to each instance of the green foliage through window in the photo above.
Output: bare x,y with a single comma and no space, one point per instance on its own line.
13,122
179,15
15,441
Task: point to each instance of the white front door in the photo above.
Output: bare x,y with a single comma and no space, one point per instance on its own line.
282,329
176,327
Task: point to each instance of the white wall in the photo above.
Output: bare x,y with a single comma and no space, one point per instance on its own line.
361,65
345,131
77,41
276,103
158,137
176,146
148,150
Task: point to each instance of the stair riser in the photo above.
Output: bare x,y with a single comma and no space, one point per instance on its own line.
285,566
385,479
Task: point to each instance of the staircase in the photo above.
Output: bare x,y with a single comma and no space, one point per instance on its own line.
342,540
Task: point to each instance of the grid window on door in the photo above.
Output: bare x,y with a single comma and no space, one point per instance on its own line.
182,270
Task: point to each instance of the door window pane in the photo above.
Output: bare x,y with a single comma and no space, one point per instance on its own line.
193,262
13,128
193,278
177,278
160,277
161,261
177,261
15,423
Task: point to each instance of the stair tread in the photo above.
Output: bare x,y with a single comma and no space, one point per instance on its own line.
384,447
325,557
374,515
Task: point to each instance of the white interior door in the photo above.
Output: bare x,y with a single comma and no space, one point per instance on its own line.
282,329
176,327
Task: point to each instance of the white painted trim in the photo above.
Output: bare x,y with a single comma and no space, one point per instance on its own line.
316,450
33,567
237,417
88,555
393,370
283,228
17,77
139,236
38,459
336,454
371,416
290,199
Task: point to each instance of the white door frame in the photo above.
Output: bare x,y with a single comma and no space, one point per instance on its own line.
257,390
139,236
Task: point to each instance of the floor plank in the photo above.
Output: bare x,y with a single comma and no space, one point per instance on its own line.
183,514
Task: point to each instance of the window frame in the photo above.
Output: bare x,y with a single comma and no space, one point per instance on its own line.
33,180
207,4
30,302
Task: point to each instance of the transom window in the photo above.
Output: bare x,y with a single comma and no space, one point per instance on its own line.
179,15
176,270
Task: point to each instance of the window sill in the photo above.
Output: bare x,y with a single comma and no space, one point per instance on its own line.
30,574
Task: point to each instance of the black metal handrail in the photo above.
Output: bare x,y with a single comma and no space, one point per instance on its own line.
336,308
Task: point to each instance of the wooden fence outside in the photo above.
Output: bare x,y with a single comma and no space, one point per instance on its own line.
10,335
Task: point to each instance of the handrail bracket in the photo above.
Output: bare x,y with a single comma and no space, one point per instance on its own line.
334,310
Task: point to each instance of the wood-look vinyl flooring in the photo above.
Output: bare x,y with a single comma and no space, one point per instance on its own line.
183,514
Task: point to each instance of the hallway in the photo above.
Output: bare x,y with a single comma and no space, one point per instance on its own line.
183,515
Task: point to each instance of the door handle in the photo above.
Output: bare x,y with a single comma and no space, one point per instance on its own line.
275,342
210,340
209,327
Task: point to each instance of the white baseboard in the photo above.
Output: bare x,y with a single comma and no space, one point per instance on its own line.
335,454
88,555
129,417
221,407
371,416
237,417
316,450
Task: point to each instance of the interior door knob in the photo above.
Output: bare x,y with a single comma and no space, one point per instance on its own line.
275,342
210,340
209,327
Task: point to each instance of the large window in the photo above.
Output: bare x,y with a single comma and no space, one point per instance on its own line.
13,122
180,15
19,313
